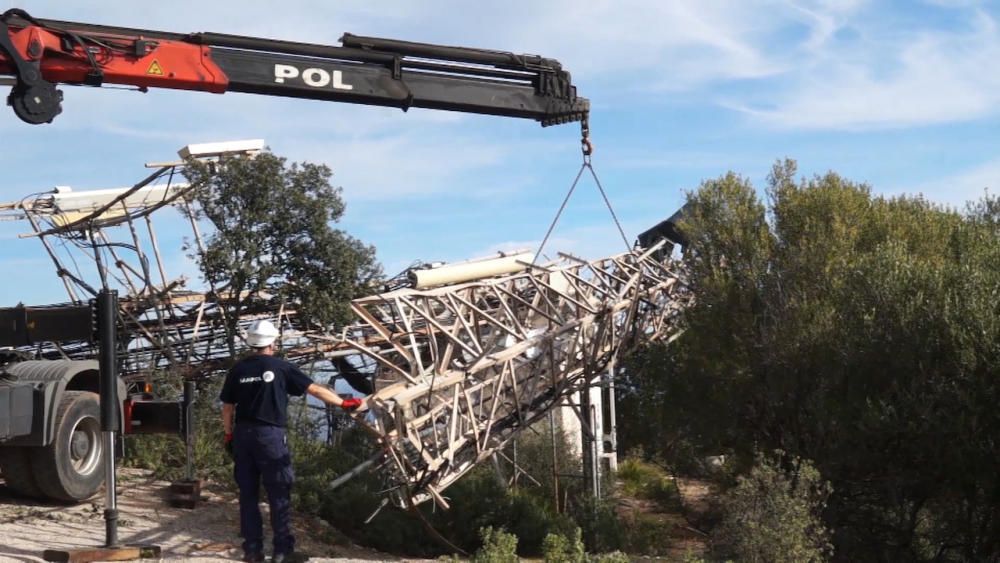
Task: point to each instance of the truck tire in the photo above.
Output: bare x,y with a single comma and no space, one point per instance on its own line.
71,468
17,472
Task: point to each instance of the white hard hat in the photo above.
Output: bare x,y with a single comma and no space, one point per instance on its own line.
261,334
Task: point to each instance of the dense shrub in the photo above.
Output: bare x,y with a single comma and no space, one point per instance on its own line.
773,514
558,548
498,547
856,331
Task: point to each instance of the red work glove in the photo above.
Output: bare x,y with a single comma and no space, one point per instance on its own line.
350,404
228,442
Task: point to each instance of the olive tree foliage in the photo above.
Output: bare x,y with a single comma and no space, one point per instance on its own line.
271,231
773,514
859,332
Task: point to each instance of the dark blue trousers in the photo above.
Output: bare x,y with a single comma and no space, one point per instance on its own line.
261,454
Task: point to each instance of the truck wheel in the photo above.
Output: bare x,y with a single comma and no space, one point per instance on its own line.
71,468
17,473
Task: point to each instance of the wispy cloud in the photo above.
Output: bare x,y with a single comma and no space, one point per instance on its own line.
679,43
954,3
404,166
959,188
880,79
824,63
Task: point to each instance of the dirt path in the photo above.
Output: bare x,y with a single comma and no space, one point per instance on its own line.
683,538
695,497
208,533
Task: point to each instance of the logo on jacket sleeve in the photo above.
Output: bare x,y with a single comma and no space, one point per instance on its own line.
268,376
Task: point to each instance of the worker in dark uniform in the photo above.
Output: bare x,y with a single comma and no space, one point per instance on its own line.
255,394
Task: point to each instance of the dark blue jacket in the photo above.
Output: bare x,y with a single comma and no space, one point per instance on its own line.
259,386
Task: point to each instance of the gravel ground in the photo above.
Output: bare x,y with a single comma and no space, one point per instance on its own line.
207,533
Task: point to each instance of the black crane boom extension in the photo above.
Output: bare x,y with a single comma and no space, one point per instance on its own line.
364,70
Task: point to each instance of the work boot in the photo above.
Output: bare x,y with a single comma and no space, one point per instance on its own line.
253,557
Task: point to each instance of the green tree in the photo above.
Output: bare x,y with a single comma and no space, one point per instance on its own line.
859,332
773,514
272,232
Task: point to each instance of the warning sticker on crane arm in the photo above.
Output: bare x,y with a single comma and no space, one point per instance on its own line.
154,68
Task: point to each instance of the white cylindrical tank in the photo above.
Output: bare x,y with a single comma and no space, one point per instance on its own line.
506,263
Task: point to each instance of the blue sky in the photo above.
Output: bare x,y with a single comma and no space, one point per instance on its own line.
902,95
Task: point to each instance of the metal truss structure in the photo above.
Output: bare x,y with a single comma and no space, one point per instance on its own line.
461,363
463,368
109,236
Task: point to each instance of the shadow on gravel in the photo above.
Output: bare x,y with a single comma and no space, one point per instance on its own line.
207,533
